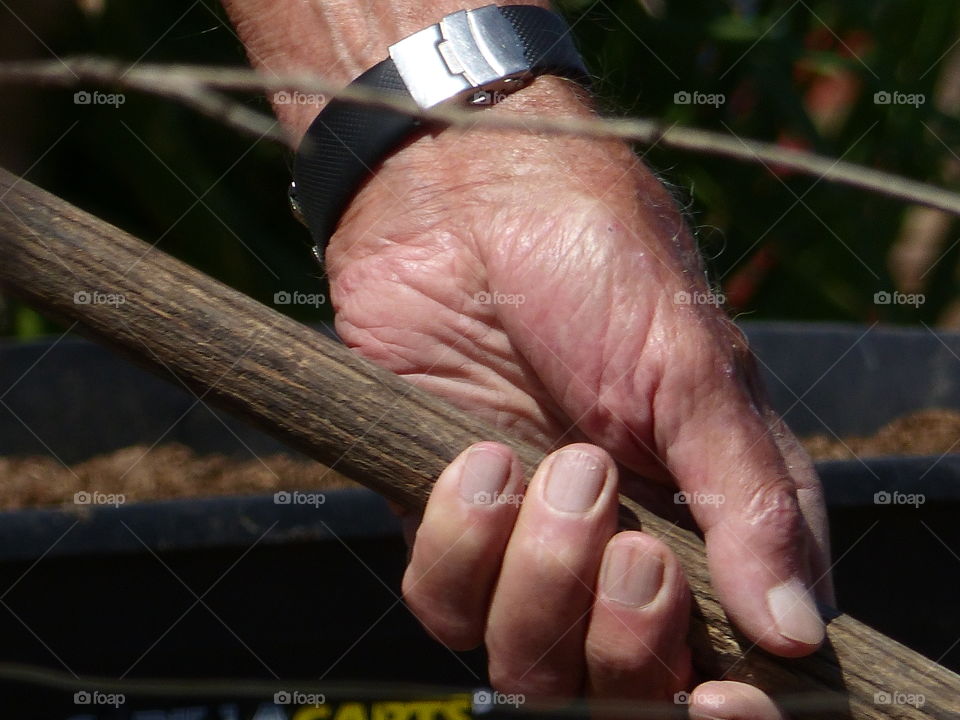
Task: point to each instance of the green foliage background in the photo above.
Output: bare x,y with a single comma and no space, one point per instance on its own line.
217,199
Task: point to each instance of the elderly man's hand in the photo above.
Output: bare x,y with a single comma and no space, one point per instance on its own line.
549,285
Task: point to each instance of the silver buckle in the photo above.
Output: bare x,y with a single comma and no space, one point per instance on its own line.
466,51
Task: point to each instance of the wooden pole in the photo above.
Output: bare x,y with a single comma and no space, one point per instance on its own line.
322,399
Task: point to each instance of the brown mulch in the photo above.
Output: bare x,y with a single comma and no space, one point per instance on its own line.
927,432
166,471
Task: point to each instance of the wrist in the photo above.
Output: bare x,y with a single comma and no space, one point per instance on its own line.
338,39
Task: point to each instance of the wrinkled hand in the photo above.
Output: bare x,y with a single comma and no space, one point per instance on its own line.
539,282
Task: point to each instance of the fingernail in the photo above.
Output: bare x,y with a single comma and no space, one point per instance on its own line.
631,575
574,481
484,475
795,612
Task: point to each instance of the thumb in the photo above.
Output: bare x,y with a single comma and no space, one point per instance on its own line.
727,460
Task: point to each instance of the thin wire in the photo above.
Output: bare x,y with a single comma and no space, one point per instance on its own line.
195,85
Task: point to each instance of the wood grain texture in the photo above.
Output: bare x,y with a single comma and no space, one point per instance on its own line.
320,398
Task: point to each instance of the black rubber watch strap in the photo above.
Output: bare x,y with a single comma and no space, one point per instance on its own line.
343,146
347,141
546,42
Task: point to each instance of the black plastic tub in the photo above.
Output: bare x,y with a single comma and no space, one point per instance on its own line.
246,589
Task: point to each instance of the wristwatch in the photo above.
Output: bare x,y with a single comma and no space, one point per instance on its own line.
475,57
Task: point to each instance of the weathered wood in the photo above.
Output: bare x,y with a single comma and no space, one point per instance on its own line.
323,400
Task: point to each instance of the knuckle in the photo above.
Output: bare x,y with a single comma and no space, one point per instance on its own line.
774,511
459,637
450,626
414,596
535,682
553,562
613,656
503,679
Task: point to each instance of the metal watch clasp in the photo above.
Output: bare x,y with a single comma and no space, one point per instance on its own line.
466,51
